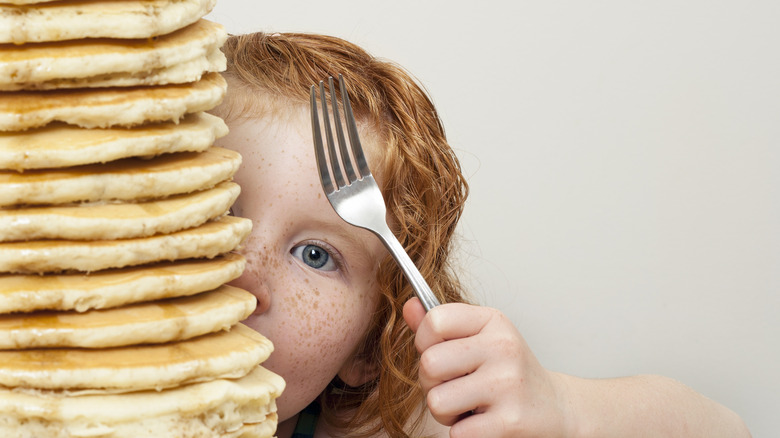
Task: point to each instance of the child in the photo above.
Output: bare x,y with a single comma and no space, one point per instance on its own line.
358,352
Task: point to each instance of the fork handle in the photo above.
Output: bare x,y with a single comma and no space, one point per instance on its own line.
423,291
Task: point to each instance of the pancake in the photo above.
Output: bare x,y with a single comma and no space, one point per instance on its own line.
104,221
181,56
106,107
116,287
259,430
224,354
218,408
186,71
67,20
27,2
64,145
174,319
123,180
39,256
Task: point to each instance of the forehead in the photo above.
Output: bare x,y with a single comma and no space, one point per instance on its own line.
282,135
277,158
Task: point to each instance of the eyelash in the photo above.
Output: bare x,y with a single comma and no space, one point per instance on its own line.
332,253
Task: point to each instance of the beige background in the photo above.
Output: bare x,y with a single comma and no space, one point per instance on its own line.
625,172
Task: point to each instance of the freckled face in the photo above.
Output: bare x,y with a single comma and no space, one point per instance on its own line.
312,273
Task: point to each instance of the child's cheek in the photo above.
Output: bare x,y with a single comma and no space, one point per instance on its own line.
333,322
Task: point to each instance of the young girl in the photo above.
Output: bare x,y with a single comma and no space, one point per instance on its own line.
358,352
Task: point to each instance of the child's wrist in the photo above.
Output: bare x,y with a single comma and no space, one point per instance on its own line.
565,388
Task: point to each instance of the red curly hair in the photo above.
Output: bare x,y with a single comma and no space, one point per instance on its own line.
422,184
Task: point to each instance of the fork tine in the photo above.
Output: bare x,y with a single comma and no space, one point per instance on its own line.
354,139
334,160
319,148
345,159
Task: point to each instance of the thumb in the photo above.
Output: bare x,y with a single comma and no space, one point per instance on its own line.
414,312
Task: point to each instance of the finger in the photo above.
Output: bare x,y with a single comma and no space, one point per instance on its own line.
445,410
450,321
414,312
450,401
449,360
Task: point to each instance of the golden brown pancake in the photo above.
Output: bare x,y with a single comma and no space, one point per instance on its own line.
224,354
72,19
181,56
130,179
215,408
106,107
209,240
150,322
116,287
64,145
111,220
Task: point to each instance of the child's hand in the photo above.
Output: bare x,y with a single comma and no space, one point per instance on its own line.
479,375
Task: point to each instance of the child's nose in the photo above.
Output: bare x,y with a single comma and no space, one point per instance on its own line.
242,282
251,282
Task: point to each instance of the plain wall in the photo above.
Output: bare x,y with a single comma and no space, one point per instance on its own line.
624,168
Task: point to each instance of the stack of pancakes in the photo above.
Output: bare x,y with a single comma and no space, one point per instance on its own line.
115,245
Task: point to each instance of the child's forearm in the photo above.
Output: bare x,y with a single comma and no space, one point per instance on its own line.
645,406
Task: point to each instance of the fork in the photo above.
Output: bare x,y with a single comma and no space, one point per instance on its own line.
353,192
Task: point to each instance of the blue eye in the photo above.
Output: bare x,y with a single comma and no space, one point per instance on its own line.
315,257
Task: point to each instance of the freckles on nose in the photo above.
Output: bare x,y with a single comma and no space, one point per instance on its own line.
256,274
249,281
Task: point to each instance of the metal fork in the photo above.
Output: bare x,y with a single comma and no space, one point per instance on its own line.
356,196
